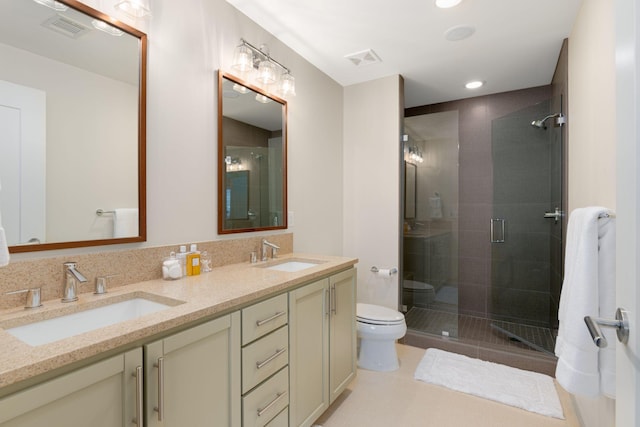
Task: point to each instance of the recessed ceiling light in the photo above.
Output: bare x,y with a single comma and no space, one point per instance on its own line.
445,4
474,84
459,32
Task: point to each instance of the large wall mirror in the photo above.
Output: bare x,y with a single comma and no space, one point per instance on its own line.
72,127
252,154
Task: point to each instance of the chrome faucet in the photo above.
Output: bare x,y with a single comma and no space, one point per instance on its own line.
265,246
70,282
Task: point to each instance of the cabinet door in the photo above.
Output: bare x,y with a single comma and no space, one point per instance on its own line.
342,332
99,395
308,352
193,377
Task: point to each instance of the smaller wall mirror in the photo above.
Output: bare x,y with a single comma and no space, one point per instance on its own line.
252,158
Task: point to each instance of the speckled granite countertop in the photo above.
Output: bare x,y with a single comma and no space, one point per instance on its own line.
197,298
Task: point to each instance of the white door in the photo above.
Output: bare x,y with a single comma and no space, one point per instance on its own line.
628,209
22,162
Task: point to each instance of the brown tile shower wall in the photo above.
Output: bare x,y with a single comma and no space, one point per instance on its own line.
476,186
128,266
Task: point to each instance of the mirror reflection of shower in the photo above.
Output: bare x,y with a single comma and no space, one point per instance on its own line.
560,120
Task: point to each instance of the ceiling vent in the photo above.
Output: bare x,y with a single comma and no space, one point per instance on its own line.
364,57
68,27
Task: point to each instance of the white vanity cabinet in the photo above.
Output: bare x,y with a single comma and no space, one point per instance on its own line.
192,378
322,331
99,395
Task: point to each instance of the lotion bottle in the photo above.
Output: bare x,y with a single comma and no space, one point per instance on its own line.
193,261
182,258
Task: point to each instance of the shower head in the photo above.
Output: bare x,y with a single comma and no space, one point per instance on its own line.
541,123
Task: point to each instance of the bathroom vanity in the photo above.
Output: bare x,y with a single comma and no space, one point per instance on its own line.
244,345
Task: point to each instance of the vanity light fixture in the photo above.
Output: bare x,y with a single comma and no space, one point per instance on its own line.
415,155
52,4
248,58
134,8
109,29
474,84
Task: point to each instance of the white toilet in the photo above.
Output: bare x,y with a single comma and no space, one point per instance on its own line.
418,294
378,329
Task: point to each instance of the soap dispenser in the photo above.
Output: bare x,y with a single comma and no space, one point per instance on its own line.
193,261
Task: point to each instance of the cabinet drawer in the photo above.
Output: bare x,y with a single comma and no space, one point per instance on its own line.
265,402
264,317
264,357
281,420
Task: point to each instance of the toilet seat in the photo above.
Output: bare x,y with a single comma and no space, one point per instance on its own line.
377,315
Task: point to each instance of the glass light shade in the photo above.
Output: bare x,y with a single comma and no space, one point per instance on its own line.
242,59
266,72
262,99
103,26
134,8
287,85
240,89
52,4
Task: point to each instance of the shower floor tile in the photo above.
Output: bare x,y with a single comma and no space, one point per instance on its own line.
477,330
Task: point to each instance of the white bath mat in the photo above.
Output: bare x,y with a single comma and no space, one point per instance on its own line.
523,389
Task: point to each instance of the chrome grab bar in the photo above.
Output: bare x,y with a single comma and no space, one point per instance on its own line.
621,324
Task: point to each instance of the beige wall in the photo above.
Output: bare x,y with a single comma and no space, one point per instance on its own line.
592,136
371,184
591,116
188,42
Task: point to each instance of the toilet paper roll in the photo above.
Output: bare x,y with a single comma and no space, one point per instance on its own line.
384,272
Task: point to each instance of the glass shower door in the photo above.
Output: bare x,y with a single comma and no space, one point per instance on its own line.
430,234
525,235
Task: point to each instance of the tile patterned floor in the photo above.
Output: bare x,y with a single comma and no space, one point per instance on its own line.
480,330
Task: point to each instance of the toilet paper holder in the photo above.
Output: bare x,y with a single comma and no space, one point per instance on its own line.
375,269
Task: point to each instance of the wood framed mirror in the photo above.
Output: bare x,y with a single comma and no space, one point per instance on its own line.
80,94
252,139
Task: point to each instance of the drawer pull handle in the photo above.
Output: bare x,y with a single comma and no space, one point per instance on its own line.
260,365
274,317
160,408
138,421
273,402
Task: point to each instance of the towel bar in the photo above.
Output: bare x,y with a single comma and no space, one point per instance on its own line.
621,324
101,212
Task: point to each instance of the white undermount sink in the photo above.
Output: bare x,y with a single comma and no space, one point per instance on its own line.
67,325
293,265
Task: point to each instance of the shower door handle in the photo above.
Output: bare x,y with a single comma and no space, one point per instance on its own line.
556,215
497,232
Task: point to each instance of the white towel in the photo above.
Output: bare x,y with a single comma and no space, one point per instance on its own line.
125,222
588,290
4,248
435,206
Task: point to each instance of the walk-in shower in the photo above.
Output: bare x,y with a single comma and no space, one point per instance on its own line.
482,253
